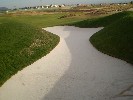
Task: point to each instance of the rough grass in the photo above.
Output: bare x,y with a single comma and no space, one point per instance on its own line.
116,39
20,45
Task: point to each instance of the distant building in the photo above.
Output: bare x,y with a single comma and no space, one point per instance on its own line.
63,5
42,6
56,6
47,6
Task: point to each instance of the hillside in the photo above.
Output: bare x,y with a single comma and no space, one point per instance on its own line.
116,39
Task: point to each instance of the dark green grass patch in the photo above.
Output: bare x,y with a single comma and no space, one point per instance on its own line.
20,45
116,39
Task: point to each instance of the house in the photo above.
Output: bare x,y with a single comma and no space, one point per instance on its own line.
54,6
47,6
63,5
42,6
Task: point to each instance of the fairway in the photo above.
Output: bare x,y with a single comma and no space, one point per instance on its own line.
44,20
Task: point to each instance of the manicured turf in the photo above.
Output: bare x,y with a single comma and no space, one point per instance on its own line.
42,21
116,39
20,45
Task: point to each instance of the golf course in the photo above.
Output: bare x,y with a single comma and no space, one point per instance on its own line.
54,55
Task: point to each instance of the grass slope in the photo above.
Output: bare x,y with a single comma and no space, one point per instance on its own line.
116,39
20,45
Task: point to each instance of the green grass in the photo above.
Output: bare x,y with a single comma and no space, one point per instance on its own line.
22,40
100,22
20,45
116,39
42,21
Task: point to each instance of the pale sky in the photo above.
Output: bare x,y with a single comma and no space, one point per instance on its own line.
23,3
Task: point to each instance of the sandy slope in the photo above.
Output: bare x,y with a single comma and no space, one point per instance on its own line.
74,70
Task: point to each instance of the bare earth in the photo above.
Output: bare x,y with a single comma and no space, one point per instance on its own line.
74,70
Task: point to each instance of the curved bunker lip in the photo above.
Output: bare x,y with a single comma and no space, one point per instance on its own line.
74,70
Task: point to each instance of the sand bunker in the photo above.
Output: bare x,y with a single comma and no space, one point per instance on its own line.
74,70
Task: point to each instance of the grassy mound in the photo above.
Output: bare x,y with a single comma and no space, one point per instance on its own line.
21,45
100,22
116,39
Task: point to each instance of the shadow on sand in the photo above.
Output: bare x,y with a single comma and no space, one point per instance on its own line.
91,74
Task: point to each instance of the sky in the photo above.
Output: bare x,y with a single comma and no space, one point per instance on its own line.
24,3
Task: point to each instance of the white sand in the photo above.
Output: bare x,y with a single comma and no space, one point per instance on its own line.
74,70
